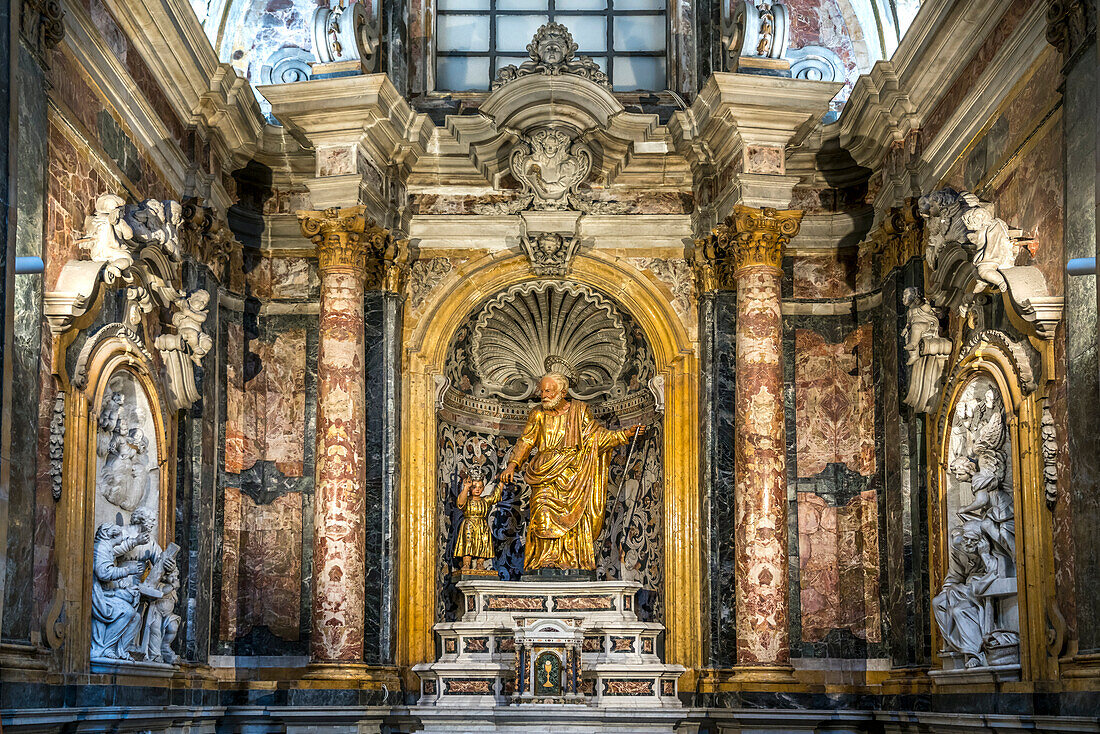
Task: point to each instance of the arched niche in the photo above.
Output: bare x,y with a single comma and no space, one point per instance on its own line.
118,459
428,336
991,529
479,423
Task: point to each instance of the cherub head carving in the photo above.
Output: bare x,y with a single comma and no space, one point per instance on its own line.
552,45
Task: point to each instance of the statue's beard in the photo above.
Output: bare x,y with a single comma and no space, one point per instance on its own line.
553,403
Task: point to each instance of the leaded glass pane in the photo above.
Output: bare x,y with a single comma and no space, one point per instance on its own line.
522,5
581,4
463,4
589,32
639,4
639,33
462,33
462,73
638,72
514,32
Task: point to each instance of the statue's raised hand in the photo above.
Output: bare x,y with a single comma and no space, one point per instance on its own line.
635,431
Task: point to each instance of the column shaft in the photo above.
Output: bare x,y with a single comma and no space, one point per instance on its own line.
747,250
760,495
339,534
347,242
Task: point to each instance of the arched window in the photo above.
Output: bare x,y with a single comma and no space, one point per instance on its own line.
475,38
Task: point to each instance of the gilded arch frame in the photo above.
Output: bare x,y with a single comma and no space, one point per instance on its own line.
991,355
428,338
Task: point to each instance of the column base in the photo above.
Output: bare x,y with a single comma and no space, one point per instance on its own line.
763,674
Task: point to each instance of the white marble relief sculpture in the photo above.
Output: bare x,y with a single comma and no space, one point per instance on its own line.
927,351
976,609
550,165
549,253
134,593
126,470
552,52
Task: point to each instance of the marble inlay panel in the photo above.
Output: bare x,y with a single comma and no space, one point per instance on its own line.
834,401
839,566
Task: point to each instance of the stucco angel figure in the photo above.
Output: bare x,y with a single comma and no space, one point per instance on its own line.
107,235
188,321
994,247
543,164
475,543
567,476
158,222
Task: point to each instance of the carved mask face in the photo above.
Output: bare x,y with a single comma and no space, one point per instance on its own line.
552,51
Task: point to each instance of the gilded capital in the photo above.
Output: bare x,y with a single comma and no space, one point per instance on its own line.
350,240
748,237
757,236
898,239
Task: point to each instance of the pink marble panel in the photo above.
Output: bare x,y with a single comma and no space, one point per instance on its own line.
825,276
834,402
839,567
285,414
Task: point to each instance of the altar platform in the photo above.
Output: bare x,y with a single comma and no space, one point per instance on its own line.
548,643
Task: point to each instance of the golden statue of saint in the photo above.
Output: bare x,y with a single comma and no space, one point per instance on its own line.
568,477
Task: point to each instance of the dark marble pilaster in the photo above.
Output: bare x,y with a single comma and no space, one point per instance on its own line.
26,347
382,318
718,321
1072,29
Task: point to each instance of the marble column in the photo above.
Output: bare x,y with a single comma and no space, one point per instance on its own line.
750,250
346,241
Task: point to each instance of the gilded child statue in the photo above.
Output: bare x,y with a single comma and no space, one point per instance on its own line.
475,544
567,476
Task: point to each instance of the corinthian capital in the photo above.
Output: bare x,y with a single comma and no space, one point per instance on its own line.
755,237
347,239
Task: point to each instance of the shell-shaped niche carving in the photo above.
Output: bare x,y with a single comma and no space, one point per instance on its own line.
529,325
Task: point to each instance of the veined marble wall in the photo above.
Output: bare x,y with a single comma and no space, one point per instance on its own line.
267,475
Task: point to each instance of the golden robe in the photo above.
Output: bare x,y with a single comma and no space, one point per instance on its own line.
568,480
474,538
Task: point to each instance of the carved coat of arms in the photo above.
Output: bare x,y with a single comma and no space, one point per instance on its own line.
550,166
